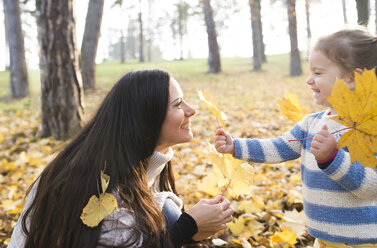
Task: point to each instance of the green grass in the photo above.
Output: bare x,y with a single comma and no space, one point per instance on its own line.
190,73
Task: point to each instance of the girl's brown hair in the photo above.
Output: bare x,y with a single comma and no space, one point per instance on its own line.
350,49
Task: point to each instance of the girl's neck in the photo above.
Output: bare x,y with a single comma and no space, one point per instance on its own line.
332,111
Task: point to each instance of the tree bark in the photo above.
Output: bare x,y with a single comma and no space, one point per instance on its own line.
295,61
19,85
307,11
345,11
213,47
122,50
256,34
362,12
62,90
90,42
141,35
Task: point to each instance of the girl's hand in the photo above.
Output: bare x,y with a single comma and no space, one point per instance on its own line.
211,215
323,144
223,142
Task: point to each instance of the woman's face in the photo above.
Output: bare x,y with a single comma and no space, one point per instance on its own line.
176,128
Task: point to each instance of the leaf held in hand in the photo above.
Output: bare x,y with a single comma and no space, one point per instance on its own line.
291,107
99,208
211,103
358,109
228,169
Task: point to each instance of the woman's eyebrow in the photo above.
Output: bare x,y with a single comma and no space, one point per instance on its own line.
177,99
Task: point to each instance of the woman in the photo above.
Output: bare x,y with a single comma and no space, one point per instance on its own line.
130,139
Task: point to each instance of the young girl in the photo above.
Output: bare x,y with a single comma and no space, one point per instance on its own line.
130,139
340,197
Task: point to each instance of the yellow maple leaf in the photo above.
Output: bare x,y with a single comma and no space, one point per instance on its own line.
231,172
99,207
286,236
358,110
211,103
291,107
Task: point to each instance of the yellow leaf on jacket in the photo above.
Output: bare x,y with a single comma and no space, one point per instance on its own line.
211,103
98,208
358,110
291,107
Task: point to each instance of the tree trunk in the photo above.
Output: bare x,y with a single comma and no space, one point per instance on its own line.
122,50
256,33
90,42
62,90
264,59
213,47
345,11
19,85
362,12
295,65
141,36
307,11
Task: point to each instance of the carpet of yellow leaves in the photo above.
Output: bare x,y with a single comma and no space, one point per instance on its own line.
269,217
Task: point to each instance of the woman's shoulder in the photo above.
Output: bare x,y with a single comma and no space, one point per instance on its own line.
117,229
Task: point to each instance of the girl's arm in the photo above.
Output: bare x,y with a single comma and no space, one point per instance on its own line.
354,177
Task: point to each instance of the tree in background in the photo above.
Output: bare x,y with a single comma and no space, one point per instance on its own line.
179,23
141,34
375,13
345,11
307,11
256,28
213,47
362,12
295,61
90,42
19,84
62,90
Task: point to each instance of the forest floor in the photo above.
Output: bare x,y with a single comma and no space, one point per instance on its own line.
250,101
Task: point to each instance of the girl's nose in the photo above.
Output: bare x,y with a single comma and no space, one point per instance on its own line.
310,80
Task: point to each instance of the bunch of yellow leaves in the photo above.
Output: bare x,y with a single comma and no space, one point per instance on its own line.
358,110
291,107
228,173
211,103
99,208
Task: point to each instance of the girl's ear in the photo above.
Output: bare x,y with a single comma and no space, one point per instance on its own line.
350,79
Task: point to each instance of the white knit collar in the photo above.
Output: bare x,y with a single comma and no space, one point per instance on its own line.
157,163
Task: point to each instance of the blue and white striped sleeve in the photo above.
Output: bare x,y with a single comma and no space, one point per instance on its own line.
272,150
354,177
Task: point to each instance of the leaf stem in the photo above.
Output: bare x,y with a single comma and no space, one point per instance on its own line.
226,188
346,128
218,123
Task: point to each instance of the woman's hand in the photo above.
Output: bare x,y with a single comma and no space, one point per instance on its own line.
223,142
323,144
211,216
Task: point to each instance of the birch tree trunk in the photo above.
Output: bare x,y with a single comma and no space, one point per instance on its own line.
19,84
62,90
213,47
295,61
90,42
256,34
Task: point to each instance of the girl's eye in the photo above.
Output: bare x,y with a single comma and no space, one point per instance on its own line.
317,73
179,104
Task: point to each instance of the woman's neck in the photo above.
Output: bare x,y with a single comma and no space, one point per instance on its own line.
157,163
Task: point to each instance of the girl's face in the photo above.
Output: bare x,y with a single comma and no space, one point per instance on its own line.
323,74
176,128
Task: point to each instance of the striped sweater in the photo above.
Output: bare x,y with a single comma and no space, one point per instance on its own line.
340,201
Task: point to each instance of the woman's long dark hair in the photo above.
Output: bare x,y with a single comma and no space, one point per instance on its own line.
123,133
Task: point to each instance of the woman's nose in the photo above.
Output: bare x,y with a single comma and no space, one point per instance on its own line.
189,111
